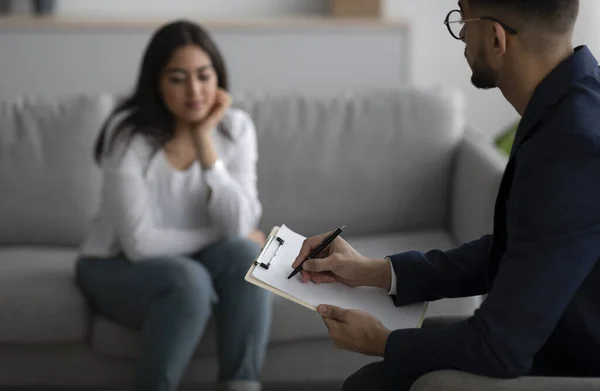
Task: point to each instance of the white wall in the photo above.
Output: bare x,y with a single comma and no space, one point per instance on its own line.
198,8
587,30
270,58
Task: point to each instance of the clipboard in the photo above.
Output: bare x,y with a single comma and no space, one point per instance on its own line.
266,263
270,261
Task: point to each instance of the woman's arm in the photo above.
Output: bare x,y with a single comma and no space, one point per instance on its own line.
234,206
126,192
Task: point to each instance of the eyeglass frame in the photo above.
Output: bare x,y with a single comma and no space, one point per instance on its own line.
447,22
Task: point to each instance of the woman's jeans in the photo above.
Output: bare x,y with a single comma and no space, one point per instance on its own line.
171,300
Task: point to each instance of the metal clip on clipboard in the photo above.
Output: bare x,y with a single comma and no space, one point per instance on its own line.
280,243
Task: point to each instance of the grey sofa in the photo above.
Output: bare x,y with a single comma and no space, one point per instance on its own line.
398,168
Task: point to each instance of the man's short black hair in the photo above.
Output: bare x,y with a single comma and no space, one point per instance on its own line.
556,16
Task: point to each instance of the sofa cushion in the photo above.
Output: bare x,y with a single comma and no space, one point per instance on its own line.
291,322
39,301
50,183
375,160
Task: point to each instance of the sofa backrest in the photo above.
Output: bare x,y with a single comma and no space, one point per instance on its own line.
376,161
49,185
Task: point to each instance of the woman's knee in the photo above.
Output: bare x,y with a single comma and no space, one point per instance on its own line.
244,247
188,280
239,253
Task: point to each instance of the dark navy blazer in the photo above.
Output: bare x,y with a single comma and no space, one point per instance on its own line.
540,266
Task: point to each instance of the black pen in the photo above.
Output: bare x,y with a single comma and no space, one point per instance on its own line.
317,250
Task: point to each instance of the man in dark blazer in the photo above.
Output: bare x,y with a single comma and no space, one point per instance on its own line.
540,266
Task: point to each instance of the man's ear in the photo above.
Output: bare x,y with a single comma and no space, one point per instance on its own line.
500,38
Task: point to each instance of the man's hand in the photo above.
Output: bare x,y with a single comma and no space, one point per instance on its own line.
340,262
355,331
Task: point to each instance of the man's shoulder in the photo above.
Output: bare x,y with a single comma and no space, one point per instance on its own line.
573,123
578,113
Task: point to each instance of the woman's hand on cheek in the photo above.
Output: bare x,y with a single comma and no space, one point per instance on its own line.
215,115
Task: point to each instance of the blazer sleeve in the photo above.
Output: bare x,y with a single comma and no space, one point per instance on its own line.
436,274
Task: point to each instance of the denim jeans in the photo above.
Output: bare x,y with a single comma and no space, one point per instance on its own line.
171,300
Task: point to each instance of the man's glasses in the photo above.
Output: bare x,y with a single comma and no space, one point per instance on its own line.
456,24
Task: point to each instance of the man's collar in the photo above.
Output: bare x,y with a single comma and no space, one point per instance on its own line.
577,66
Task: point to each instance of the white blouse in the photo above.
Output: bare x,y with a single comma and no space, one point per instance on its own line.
150,209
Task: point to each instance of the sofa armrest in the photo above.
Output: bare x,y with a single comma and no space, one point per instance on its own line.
478,170
461,381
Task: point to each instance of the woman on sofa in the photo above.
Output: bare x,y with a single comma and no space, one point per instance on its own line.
176,230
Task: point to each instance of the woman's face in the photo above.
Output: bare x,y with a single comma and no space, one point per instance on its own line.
189,84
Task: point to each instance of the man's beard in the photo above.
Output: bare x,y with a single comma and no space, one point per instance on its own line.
483,76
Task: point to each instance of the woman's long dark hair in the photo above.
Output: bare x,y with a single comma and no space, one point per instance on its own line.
145,112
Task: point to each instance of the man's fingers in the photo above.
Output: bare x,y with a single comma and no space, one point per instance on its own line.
319,265
333,312
317,278
336,333
305,276
332,326
323,278
307,247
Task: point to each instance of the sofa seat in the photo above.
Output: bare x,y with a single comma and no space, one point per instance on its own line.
290,322
39,301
